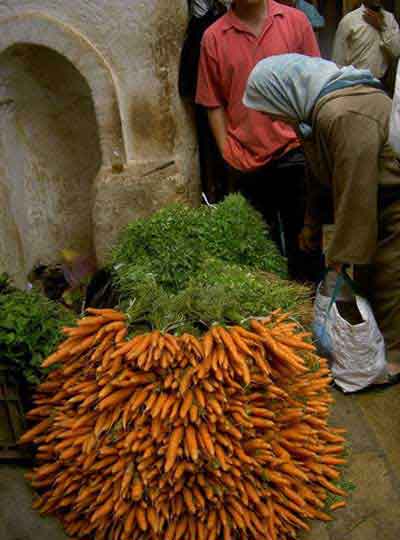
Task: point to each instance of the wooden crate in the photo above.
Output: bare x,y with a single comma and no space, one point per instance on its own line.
12,421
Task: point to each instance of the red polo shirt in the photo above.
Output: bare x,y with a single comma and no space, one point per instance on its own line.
229,51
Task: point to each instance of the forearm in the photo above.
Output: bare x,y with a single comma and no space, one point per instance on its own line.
391,41
217,121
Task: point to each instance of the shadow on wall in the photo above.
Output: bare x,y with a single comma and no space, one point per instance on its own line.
49,156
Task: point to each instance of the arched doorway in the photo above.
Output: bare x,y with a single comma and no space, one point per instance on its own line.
50,153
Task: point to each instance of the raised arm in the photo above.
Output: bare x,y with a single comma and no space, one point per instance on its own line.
390,36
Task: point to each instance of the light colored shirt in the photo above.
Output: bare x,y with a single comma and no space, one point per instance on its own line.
359,44
229,52
394,127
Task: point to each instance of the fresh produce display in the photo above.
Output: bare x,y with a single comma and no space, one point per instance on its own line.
173,243
219,292
30,329
186,268
162,437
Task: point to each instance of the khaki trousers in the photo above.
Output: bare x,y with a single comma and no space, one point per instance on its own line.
385,281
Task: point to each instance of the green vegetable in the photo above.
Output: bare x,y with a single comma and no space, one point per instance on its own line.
218,293
174,243
184,269
30,327
5,284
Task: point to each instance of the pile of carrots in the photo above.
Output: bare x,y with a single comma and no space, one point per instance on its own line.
170,438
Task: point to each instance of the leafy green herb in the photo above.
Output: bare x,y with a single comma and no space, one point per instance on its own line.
30,327
173,243
5,284
218,293
184,269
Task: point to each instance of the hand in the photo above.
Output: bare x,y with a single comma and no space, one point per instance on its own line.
375,19
310,238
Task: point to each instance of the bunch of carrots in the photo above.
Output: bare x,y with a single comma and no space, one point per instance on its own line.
164,437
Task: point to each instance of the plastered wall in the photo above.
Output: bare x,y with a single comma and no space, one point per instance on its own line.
93,132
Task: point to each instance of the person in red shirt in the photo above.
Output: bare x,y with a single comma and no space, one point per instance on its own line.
264,156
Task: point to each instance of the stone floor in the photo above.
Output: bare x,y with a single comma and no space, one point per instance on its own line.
373,511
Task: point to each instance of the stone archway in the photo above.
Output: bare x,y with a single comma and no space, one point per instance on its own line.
59,126
40,29
129,183
50,154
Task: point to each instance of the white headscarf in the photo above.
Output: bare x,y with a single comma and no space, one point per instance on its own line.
289,85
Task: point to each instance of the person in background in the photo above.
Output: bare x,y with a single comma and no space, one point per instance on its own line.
317,21
213,172
342,116
199,8
368,38
265,158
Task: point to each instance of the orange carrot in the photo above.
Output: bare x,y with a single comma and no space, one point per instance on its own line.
30,435
337,505
187,403
114,398
173,446
206,439
191,441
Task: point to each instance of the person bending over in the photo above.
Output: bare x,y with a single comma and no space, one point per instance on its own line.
342,116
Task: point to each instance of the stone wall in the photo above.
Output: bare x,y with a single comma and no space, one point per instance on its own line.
93,131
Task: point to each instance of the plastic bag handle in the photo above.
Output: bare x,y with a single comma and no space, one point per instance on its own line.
343,277
339,282
346,278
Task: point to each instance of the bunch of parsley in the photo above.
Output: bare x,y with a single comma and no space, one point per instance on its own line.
219,292
30,330
184,269
173,244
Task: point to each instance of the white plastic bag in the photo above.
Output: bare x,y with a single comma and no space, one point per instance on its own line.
356,352
394,125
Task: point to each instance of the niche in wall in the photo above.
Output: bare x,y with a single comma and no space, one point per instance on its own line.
49,156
